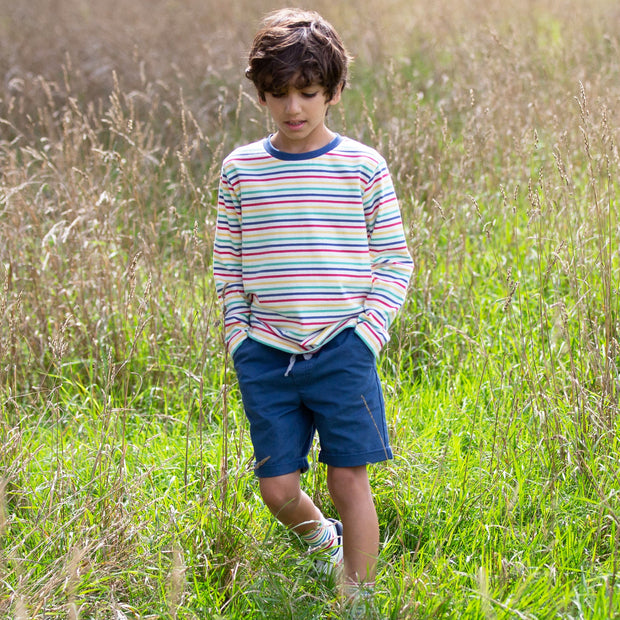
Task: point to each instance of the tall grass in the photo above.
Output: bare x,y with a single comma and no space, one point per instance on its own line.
126,485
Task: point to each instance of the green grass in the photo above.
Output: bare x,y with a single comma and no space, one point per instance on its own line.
126,483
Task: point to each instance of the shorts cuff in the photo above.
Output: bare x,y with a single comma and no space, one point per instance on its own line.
280,469
355,460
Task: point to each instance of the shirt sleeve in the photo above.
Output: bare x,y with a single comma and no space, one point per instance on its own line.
227,265
391,263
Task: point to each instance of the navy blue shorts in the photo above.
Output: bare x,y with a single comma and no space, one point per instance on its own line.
336,392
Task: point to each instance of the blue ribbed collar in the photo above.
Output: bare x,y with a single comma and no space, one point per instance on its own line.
300,156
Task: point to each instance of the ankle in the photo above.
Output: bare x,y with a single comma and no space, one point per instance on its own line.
353,590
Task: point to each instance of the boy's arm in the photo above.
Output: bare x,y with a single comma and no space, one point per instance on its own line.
391,263
227,266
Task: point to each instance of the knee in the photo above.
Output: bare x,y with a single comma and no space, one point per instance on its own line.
279,495
345,483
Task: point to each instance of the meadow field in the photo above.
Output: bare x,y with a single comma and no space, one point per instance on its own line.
126,483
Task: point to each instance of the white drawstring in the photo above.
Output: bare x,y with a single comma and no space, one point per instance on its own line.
293,359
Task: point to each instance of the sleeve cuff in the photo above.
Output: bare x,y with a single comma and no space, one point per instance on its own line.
373,339
233,341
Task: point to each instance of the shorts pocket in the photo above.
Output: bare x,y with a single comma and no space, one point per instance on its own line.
361,343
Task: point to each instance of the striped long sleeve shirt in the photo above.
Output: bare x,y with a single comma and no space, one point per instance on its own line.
307,245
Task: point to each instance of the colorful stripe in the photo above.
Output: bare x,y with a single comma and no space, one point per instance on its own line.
305,247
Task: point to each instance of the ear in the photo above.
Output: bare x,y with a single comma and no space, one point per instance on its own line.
261,99
336,98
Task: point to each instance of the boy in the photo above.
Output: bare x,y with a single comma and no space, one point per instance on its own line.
311,266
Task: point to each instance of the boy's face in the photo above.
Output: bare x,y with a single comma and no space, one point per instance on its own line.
299,115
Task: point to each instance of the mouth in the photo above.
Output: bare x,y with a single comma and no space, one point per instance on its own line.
295,124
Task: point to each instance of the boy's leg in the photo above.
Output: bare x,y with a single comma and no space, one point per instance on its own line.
350,491
294,509
282,430
288,503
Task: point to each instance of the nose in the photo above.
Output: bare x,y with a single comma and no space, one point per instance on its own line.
293,103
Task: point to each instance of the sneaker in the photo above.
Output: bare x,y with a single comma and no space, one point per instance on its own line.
330,558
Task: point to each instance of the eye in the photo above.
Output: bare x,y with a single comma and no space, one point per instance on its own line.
310,95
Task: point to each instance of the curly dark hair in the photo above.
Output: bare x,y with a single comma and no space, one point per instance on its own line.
299,47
